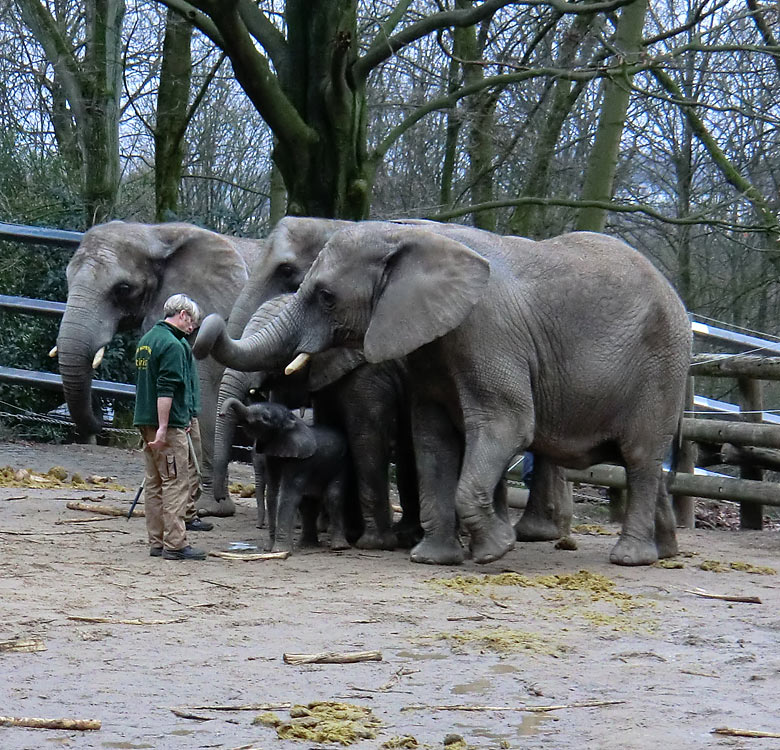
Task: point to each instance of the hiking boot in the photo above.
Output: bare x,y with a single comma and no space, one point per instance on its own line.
155,551
199,524
185,553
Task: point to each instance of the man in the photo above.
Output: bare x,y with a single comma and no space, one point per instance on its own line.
165,404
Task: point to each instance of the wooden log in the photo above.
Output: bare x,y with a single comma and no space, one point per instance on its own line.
751,515
761,435
249,556
736,365
685,505
103,510
331,657
765,458
716,488
728,732
23,645
32,723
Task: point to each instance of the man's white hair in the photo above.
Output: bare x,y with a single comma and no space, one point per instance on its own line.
178,302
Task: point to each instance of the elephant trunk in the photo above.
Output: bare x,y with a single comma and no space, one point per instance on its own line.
76,347
270,348
234,385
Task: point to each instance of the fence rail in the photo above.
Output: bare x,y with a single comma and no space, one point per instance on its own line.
748,444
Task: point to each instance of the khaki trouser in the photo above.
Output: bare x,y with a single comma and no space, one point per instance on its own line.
166,488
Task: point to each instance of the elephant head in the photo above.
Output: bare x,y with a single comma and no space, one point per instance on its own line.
291,248
277,431
120,276
382,288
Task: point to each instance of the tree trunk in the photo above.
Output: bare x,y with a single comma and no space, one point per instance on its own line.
172,115
602,164
101,88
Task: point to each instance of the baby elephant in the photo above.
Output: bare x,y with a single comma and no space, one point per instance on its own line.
304,464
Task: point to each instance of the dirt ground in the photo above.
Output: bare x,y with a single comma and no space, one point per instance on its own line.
631,657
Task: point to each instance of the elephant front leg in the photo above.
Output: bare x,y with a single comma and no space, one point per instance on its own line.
335,498
373,459
547,516
258,463
488,450
437,455
637,545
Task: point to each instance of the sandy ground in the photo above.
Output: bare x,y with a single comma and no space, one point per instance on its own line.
666,666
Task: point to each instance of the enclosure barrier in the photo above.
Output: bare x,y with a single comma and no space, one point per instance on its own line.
753,444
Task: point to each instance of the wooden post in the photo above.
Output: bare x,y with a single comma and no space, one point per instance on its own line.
685,505
751,515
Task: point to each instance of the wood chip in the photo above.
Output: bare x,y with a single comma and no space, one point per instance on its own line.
83,724
105,510
744,733
109,621
724,597
22,645
331,657
250,556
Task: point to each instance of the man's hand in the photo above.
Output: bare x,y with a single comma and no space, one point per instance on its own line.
160,439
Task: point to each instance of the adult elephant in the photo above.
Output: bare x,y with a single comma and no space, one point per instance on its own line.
347,393
575,348
119,278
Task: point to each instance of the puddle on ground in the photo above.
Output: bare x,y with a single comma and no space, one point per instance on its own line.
504,668
481,685
421,655
533,723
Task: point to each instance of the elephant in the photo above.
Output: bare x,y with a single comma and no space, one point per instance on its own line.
347,393
118,278
304,463
575,348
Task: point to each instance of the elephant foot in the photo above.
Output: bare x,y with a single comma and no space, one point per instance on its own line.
633,551
536,529
667,547
210,506
438,551
281,548
373,539
338,543
492,543
407,534
308,541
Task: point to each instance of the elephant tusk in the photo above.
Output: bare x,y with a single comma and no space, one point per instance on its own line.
297,363
98,358
53,351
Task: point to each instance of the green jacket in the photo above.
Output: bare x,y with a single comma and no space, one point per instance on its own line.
165,368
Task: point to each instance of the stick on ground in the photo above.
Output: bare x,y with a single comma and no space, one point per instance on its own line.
724,597
16,721
530,709
744,733
331,657
104,510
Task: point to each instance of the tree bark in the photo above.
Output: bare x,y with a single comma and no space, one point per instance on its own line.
602,164
172,115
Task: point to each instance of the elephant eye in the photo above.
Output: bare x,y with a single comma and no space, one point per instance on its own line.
122,290
286,271
327,299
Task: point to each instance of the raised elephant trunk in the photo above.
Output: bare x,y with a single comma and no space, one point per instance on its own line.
270,348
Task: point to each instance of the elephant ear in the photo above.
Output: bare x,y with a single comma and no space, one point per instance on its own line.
295,439
333,364
207,266
430,285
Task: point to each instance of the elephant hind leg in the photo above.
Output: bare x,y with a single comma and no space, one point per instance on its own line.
637,545
547,515
665,523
